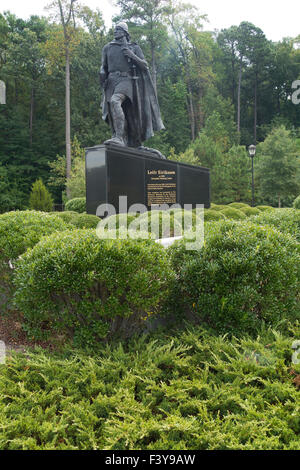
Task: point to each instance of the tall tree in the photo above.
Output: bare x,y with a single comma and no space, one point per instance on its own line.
148,19
279,166
194,53
65,11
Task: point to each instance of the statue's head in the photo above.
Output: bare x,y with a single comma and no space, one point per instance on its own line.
121,29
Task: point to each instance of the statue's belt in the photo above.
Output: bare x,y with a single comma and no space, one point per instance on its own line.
121,74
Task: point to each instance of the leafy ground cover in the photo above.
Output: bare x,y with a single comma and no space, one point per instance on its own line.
180,390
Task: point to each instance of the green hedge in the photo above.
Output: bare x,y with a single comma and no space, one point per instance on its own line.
80,220
211,214
23,229
18,231
78,204
248,211
232,213
296,203
219,207
265,208
285,220
115,222
244,274
77,283
238,205
187,219
160,223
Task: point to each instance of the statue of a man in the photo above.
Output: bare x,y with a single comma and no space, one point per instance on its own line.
129,104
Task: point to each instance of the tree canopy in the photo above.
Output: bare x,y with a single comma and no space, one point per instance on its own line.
218,91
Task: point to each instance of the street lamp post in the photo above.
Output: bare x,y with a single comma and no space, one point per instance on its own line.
252,152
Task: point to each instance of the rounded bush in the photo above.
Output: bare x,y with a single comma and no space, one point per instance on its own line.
238,205
250,211
77,204
296,203
86,221
265,208
76,282
161,224
232,213
79,220
285,220
115,222
211,214
187,219
67,216
20,230
244,274
219,207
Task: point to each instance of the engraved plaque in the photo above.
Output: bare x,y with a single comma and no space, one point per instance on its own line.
161,186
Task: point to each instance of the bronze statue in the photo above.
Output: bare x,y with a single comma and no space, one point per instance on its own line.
130,103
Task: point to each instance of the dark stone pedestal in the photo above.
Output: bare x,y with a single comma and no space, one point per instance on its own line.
113,171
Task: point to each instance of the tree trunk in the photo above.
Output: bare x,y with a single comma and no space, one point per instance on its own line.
31,115
233,75
191,104
68,119
191,113
255,110
279,201
239,100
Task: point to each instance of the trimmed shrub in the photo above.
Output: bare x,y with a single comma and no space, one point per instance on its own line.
296,203
86,221
285,220
238,205
244,275
265,208
78,204
187,219
232,213
219,207
67,216
40,199
79,220
248,211
18,231
74,282
161,224
23,229
115,222
211,214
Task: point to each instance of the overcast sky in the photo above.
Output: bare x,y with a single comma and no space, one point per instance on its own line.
276,19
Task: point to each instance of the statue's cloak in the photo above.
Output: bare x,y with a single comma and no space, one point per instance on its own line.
142,112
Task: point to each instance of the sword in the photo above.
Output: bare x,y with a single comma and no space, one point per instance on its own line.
135,78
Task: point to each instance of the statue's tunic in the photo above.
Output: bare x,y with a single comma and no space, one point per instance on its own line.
118,68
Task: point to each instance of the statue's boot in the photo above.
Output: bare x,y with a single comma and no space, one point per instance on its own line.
118,119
